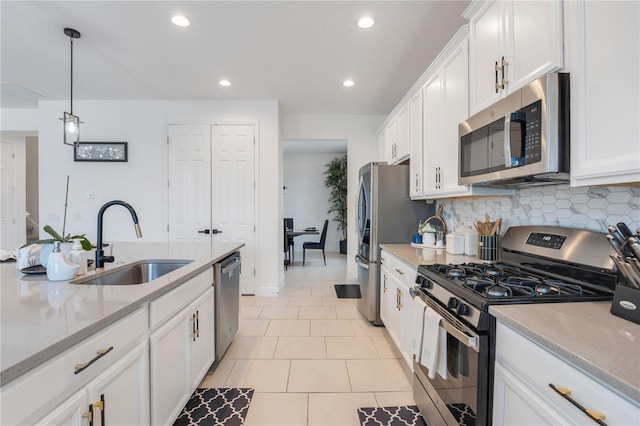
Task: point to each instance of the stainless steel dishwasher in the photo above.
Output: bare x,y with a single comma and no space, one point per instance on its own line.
227,301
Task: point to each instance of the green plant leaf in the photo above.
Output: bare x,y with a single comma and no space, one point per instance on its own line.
49,230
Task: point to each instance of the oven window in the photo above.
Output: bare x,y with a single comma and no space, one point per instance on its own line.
459,391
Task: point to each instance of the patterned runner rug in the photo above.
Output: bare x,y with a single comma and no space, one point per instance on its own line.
216,407
409,415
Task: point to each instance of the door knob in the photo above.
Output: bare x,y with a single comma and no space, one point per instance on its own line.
215,231
204,231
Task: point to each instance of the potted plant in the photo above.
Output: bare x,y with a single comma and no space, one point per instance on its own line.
65,240
336,180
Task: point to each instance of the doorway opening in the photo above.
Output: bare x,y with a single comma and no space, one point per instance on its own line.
306,201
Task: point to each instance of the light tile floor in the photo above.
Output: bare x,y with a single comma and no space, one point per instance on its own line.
311,357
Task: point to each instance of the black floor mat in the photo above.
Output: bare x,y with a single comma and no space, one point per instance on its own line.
348,291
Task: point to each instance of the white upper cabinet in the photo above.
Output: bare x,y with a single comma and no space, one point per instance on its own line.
445,105
511,44
396,137
603,55
415,145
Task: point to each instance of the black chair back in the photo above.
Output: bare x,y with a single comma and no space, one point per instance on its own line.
288,223
323,236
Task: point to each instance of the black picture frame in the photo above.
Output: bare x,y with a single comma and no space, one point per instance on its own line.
109,152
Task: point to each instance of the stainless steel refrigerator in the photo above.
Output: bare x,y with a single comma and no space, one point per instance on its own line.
385,214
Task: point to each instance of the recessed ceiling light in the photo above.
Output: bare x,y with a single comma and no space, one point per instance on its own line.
225,83
181,21
366,22
348,83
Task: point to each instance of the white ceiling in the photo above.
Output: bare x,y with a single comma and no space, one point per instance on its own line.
297,52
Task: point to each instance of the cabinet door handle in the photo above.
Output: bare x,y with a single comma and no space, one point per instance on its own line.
384,281
100,406
79,368
197,323
400,305
192,320
593,415
417,187
89,415
504,65
397,299
497,69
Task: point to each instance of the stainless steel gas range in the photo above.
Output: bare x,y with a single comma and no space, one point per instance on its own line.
539,264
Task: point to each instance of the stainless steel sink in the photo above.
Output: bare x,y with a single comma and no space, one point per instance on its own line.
139,272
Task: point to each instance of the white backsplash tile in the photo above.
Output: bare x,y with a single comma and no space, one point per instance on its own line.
591,208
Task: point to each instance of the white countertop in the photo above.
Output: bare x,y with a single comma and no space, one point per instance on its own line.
586,335
425,256
40,319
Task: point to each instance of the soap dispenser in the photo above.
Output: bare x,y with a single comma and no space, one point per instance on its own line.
78,256
58,268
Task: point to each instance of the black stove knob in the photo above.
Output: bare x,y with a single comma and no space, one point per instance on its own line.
453,303
462,309
423,281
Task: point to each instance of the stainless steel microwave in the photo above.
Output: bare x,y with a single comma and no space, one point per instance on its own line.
521,140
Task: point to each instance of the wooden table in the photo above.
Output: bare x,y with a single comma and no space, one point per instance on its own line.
297,233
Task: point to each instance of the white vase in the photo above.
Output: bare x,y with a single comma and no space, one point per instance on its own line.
47,249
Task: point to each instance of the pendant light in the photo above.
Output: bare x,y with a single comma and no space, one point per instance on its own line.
70,121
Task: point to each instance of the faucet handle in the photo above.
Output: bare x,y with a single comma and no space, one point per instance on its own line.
108,259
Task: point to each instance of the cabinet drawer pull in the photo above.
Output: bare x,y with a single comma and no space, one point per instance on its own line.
593,415
79,368
400,271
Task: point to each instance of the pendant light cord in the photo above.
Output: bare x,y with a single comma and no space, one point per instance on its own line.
71,40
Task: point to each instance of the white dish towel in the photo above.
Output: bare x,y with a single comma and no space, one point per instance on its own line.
418,328
434,345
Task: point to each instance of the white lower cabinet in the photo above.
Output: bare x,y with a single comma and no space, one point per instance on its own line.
181,352
523,395
54,388
119,396
397,278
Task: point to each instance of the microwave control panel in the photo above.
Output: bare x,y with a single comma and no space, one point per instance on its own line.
532,143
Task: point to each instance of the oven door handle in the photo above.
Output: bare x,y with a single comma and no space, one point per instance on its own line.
459,335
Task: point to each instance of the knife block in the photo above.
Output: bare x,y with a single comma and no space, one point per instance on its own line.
626,303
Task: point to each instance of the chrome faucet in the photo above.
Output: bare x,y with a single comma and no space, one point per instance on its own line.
100,257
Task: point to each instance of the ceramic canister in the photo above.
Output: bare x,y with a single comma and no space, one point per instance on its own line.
455,243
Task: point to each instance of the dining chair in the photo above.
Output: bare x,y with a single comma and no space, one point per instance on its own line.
288,224
319,245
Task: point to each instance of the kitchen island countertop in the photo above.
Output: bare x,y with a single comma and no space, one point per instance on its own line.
40,319
586,335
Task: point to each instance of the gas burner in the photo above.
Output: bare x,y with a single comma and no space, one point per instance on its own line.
493,272
550,286
455,272
498,290
477,284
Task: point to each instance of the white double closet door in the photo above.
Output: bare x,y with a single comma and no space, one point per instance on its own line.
212,188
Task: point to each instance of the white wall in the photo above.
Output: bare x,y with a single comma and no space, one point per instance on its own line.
359,131
142,180
306,199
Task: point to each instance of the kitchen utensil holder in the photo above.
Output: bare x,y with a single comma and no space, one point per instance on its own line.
626,303
489,248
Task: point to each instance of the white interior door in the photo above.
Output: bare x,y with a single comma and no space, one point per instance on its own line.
189,183
233,207
212,188
9,204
